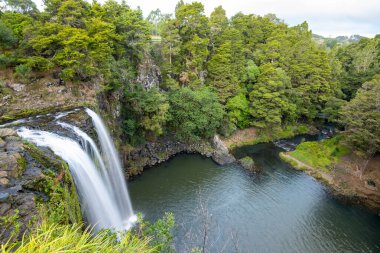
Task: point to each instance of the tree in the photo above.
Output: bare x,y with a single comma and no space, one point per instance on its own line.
145,112
132,30
194,114
193,30
293,50
238,61
238,111
221,78
218,23
359,63
156,19
270,104
361,117
171,48
250,74
7,39
73,13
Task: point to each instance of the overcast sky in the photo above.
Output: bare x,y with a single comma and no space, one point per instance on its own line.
325,17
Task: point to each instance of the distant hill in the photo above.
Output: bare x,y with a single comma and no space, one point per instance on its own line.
341,40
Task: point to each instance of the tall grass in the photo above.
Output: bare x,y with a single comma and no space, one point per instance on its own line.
54,238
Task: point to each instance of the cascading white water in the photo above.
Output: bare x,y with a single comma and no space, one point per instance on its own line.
112,161
98,175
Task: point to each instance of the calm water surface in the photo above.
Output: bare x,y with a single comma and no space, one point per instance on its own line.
279,210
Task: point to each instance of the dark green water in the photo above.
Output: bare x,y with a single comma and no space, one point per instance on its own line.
280,210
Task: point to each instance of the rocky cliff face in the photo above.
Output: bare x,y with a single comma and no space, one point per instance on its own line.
16,202
28,176
221,154
149,74
154,153
42,96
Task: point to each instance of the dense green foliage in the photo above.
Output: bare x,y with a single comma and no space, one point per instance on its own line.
362,117
79,39
217,73
321,154
195,114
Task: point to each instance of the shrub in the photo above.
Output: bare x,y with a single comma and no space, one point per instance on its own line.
6,60
39,63
23,71
160,232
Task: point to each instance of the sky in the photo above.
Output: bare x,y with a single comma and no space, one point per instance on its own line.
328,18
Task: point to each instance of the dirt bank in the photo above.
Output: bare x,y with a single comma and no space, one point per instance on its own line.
352,178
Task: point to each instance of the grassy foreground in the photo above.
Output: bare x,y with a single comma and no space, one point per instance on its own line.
53,237
71,238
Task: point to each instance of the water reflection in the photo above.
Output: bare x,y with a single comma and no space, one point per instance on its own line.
281,210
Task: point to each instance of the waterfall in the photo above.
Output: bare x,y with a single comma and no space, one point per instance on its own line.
97,174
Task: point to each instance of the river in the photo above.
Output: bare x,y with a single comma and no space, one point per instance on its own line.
278,210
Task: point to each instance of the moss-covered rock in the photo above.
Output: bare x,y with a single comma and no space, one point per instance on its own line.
248,164
35,185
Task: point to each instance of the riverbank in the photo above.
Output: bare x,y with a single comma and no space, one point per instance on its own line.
136,159
252,136
348,176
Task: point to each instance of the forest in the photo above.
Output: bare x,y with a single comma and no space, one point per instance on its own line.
218,74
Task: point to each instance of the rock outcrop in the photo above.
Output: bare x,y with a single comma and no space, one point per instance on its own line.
248,164
27,177
221,154
17,207
149,74
154,153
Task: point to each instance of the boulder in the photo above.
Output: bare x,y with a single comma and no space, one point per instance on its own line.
9,164
221,154
16,86
247,163
2,143
14,146
7,97
4,182
3,196
5,132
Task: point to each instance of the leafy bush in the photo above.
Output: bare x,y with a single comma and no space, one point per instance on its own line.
39,63
238,111
6,60
23,71
160,232
7,38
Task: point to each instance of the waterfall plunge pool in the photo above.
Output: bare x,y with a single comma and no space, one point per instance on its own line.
278,210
